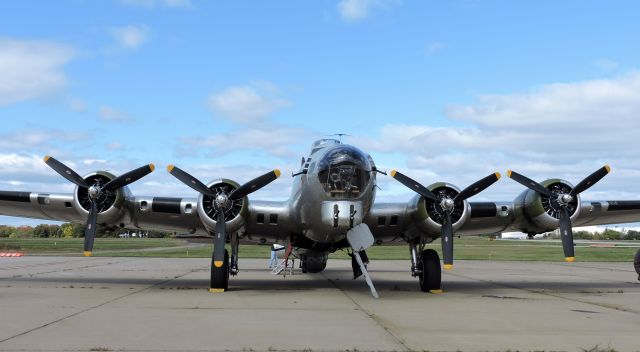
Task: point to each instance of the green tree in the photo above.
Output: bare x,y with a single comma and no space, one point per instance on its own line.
7,231
67,230
632,235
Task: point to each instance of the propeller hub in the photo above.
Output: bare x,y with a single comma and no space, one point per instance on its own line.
565,198
94,192
222,200
447,204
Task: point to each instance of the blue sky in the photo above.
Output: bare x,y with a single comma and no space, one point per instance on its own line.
446,91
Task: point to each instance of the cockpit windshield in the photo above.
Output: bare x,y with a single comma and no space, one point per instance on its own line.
344,172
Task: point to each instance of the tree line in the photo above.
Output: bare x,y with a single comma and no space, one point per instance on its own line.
67,230
606,235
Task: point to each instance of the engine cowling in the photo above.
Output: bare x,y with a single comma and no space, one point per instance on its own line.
543,211
235,215
429,214
111,205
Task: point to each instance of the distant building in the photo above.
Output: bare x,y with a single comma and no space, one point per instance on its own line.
601,229
589,229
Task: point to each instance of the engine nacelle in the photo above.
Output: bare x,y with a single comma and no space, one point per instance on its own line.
543,212
111,205
235,215
429,214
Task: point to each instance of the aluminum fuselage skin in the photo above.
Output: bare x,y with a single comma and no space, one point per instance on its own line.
323,216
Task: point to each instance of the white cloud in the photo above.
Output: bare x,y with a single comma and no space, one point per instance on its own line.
248,103
357,10
31,69
276,141
77,105
565,130
606,64
108,113
185,4
131,36
582,105
37,139
114,146
434,47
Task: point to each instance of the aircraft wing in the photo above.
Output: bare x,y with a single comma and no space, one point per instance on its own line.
149,213
265,221
391,222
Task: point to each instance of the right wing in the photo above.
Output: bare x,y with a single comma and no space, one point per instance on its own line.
168,214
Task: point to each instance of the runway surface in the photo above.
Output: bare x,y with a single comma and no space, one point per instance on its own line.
158,304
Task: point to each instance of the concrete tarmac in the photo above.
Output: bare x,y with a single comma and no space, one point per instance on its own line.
162,304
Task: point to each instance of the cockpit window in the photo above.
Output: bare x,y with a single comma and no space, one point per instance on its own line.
344,172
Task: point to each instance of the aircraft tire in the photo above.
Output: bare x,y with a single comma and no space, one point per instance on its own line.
220,276
430,278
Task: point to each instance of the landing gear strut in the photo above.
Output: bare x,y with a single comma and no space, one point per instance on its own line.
234,254
426,267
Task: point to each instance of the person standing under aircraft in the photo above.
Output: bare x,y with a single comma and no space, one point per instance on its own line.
273,262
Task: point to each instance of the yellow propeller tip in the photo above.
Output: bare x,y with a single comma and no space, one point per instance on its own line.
436,292
218,263
170,167
152,167
608,168
216,290
509,173
570,259
498,175
46,158
277,172
87,253
448,266
393,173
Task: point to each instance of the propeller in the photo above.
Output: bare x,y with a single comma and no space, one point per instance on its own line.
95,191
563,200
447,205
223,201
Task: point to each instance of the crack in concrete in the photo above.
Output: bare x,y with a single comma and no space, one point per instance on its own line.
369,315
96,306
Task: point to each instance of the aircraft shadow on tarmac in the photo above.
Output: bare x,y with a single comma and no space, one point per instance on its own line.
330,279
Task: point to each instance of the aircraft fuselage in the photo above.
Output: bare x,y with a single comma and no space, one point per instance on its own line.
334,192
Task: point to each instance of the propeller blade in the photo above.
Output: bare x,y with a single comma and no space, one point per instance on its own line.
566,234
129,177
529,183
447,242
477,187
65,172
414,185
189,180
219,240
90,229
254,184
590,180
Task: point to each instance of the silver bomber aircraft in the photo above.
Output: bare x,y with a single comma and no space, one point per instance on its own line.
332,206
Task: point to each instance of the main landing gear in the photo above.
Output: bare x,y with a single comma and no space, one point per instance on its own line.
426,267
220,274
